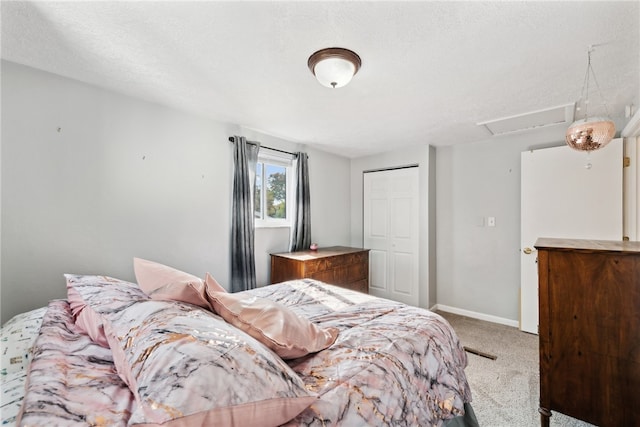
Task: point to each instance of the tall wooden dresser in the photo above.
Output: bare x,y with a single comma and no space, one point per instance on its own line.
589,301
336,265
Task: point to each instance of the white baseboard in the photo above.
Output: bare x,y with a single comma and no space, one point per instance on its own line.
476,315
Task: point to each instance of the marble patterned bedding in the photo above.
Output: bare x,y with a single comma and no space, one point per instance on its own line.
391,365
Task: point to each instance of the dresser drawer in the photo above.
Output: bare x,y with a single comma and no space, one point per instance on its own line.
327,276
348,259
315,265
351,273
360,286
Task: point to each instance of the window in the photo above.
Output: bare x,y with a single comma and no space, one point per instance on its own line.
273,190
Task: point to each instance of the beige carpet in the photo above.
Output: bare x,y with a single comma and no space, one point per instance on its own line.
506,390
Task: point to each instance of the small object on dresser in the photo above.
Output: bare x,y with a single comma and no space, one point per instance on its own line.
314,247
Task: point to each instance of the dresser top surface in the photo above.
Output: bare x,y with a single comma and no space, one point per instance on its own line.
320,253
587,245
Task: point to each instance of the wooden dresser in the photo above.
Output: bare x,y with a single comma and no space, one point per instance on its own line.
589,300
336,265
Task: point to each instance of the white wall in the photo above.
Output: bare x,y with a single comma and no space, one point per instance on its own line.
478,267
404,157
123,178
330,198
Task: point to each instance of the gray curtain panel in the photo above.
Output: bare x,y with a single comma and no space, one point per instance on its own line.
301,227
243,263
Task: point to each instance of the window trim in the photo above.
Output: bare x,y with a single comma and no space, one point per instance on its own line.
286,161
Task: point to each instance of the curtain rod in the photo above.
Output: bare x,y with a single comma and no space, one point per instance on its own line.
268,148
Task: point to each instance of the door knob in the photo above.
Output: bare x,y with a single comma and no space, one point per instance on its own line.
527,250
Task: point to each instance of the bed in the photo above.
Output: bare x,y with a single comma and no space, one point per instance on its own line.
184,353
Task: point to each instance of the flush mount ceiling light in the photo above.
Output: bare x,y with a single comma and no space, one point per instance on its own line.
334,67
590,133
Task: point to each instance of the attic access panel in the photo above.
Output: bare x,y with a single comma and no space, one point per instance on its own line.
562,114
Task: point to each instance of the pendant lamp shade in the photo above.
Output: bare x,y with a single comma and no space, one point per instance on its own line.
590,133
334,67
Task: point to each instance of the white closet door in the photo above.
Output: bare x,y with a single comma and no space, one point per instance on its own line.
391,224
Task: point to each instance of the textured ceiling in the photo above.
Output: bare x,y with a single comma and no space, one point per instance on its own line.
430,70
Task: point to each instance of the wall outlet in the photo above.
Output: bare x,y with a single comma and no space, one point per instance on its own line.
491,221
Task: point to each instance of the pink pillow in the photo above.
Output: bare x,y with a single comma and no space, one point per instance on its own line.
187,367
212,284
273,324
162,282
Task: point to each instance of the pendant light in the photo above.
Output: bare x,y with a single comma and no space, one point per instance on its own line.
590,133
334,67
